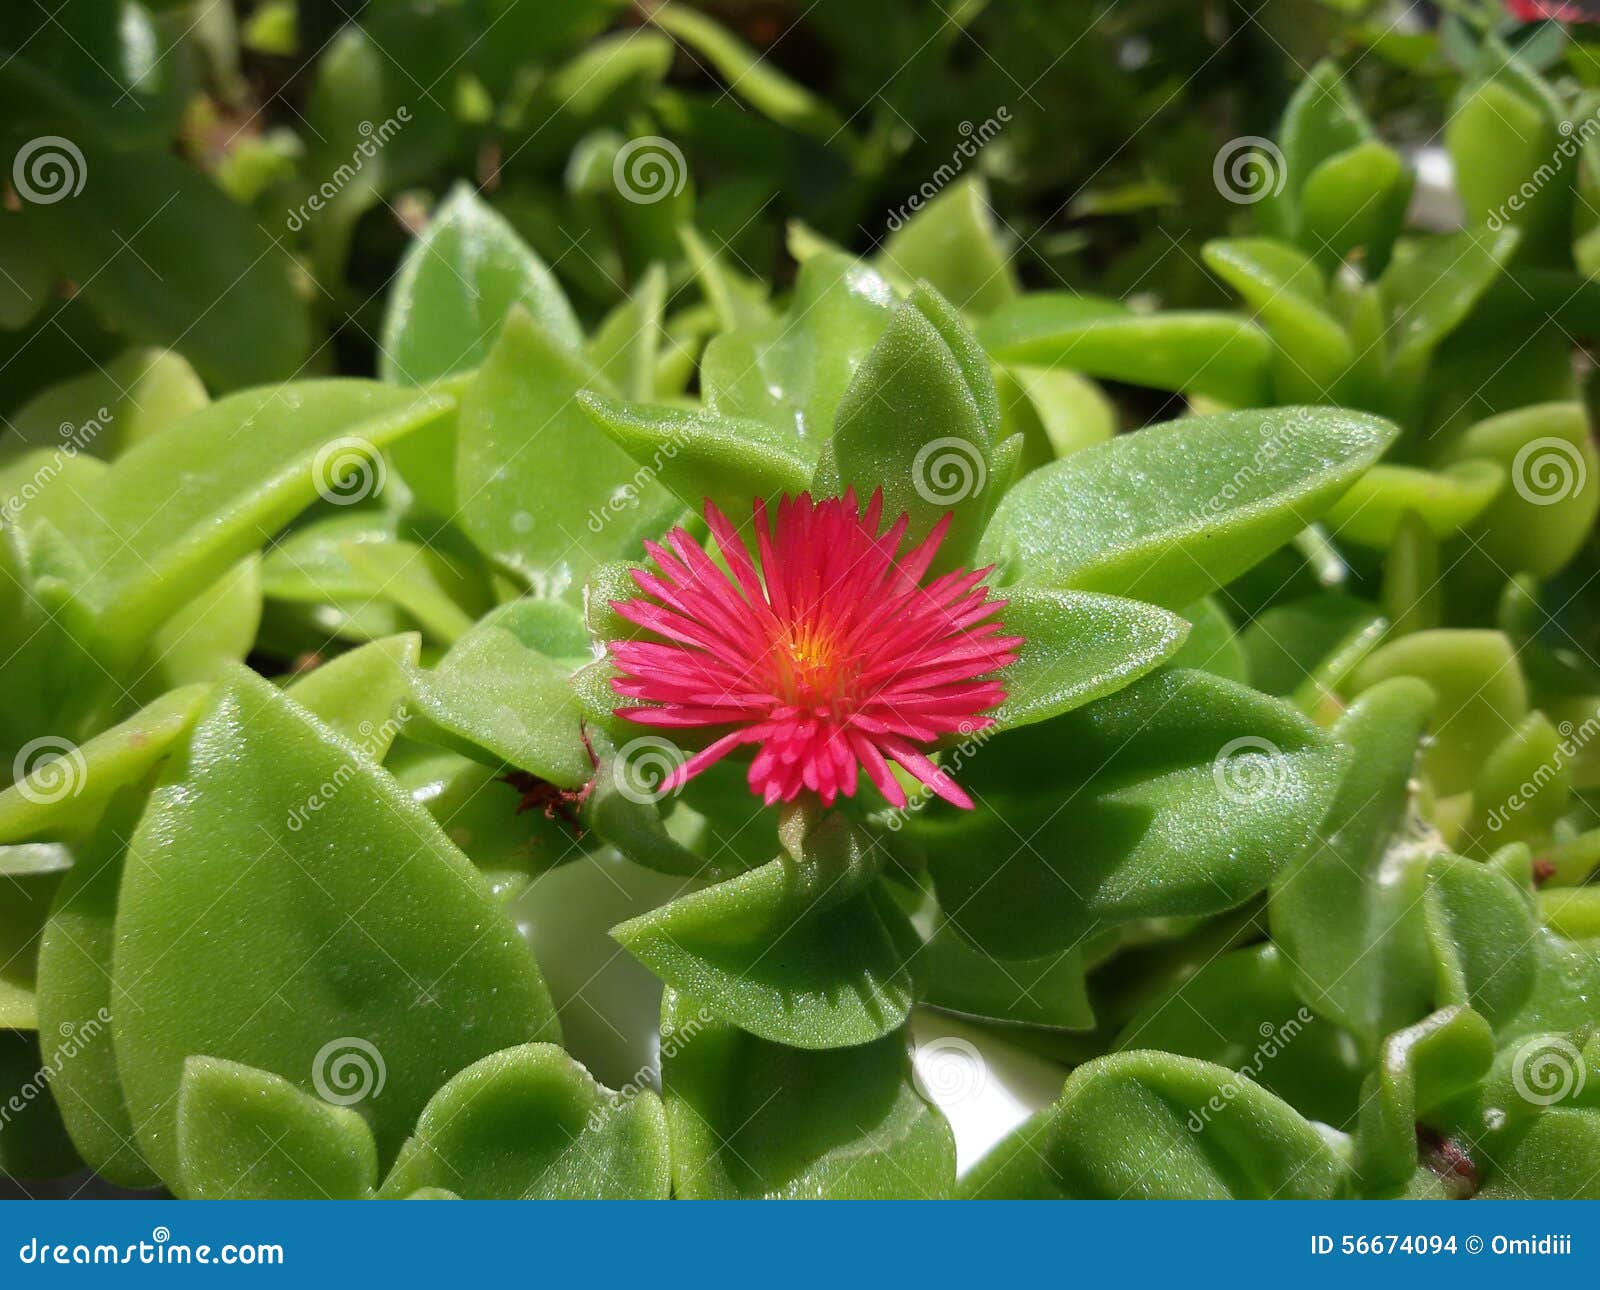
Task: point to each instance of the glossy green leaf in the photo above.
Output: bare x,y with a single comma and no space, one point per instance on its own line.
224,479
530,1123
1078,646
1432,286
1203,1131
802,951
543,490
501,693
1354,204
116,405
1218,355
246,1134
626,345
751,1119
214,629
1182,794
1553,1159
257,926
359,694
1175,510
1448,501
952,243
699,455
458,282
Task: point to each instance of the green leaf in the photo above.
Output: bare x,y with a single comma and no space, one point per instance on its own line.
257,926
1354,203
223,480
1212,644
1180,795
1347,914
1448,501
1305,649
1503,144
1241,1010
106,411
802,951
214,629
1286,290
359,694
1540,521
501,695
952,244
1432,286
918,421
458,282
1553,1159
626,345
751,1119
201,277
1217,355
246,1134
1077,646
63,795
543,490
1173,511
1321,121
699,455
793,371
1202,1131
530,1123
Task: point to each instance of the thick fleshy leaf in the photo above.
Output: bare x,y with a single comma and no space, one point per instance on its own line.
803,951
1203,1132
530,1123
1240,1010
1172,511
108,410
1213,645
1516,166
751,1119
793,371
699,455
1218,355
918,421
1432,286
359,694
1553,1159
626,346
1055,411
1539,521
1182,794
1355,201
1481,690
502,695
458,281
542,489
63,795
215,628
1447,500
223,480
952,243
77,999
257,926
246,1134
1304,649
1078,646
1348,913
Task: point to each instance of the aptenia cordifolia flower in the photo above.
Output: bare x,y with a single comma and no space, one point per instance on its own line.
828,650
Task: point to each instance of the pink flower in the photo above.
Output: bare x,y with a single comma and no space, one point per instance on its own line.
827,651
